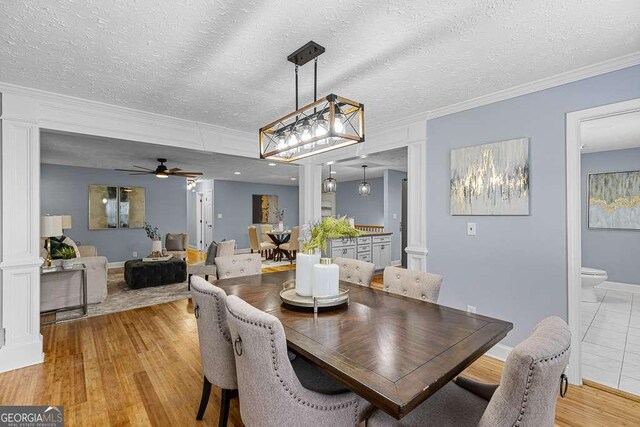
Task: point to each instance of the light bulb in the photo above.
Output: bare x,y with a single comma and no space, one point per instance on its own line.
281,142
320,128
338,118
305,131
104,201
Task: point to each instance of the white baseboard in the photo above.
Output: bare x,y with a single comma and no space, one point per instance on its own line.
21,355
617,286
499,351
118,264
396,263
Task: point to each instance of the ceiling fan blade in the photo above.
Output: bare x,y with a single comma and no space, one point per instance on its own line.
128,170
187,173
173,170
141,173
142,167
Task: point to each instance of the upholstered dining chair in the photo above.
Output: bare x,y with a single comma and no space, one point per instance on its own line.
412,284
270,392
256,245
238,265
175,244
355,271
292,246
526,395
216,349
265,229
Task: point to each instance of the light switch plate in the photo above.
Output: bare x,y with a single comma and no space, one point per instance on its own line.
395,216
135,254
471,229
471,308
219,216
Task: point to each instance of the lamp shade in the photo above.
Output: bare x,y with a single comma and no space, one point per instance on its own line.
66,222
51,226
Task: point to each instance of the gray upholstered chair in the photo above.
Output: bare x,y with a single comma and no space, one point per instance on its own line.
216,350
238,265
256,245
175,244
208,267
292,246
270,392
412,284
355,271
526,395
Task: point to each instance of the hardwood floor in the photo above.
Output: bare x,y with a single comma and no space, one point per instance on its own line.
142,367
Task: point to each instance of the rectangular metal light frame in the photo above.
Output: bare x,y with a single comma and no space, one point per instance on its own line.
351,109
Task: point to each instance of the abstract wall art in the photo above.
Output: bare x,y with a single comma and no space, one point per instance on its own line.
264,209
491,179
614,200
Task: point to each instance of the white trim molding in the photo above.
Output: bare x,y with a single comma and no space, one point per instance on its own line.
574,121
115,264
499,351
417,205
542,84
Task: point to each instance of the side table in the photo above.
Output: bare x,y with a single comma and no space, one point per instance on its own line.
59,270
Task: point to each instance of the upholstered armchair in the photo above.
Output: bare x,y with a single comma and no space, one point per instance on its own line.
263,248
526,395
62,290
238,265
292,246
208,267
412,284
355,271
175,244
270,392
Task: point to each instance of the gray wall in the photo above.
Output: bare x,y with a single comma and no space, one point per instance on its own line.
65,189
515,268
191,218
393,205
233,200
367,210
613,250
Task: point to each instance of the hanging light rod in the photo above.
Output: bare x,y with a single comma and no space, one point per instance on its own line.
328,123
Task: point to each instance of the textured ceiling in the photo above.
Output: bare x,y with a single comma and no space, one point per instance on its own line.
106,153
611,133
351,169
225,62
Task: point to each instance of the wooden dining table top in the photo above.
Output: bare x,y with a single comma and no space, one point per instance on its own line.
392,350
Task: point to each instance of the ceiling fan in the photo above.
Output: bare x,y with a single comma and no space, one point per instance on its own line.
161,171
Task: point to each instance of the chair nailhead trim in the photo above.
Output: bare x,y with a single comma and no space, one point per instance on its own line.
284,385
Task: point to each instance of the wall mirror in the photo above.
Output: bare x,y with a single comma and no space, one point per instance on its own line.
132,207
103,207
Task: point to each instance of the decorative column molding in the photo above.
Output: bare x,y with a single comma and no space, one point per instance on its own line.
19,250
417,206
309,193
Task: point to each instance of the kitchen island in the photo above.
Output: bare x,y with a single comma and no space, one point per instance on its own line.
372,247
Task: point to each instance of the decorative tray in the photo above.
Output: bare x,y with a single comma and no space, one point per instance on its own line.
155,259
289,297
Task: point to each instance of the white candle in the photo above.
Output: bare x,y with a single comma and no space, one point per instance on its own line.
304,272
326,277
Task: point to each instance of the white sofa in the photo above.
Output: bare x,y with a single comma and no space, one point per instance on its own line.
63,289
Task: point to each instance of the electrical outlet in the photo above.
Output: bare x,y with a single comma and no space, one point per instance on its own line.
471,229
135,254
395,216
471,308
219,216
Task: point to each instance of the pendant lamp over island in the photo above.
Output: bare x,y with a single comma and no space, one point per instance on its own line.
364,189
328,123
329,185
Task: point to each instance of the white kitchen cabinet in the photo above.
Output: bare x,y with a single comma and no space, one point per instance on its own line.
381,255
344,252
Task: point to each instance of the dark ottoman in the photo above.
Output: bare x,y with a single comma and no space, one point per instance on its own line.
139,274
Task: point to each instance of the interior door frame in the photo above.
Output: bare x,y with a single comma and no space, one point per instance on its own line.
199,228
574,121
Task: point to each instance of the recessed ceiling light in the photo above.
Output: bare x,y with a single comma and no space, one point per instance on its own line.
330,163
272,164
237,173
293,179
332,172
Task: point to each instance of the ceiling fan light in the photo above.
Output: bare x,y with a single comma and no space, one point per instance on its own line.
162,175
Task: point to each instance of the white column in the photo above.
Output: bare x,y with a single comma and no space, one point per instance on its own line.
310,192
417,206
19,247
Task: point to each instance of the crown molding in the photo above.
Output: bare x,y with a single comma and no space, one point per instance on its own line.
542,84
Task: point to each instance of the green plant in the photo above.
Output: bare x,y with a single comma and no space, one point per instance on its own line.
152,232
327,229
65,252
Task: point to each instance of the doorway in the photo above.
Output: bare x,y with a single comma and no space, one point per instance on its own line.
204,219
601,317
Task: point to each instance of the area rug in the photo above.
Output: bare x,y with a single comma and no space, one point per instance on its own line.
121,298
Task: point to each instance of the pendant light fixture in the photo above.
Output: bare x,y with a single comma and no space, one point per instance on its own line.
364,189
326,124
329,185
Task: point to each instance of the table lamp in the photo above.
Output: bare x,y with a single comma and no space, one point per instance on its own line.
50,226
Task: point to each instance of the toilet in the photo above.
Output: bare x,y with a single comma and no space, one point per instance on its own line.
591,277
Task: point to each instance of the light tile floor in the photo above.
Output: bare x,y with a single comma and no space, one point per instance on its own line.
611,340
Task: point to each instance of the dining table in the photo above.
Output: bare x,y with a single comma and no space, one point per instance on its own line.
278,238
392,350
